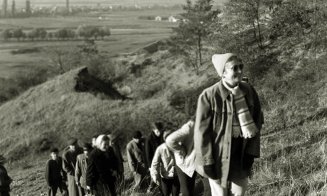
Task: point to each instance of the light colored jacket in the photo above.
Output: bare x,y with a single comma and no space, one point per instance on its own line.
80,170
181,143
163,163
213,130
136,157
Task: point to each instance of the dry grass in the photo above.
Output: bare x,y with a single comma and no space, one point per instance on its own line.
53,111
293,158
293,155
294,140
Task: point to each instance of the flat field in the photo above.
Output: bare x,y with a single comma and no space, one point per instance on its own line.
36,3
129,33
21,3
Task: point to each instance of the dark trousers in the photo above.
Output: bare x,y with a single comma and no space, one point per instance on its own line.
186,183
52,191
112,189
106,189
152,185
141,182
5,193
170,186
81,191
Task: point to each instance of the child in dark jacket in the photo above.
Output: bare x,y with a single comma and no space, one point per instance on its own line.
54,174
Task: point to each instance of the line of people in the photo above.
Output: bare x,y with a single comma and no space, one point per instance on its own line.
167,156
93,169
98,169
219,143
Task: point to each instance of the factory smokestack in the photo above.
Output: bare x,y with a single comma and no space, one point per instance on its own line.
28,6
13,8
67,5
4,8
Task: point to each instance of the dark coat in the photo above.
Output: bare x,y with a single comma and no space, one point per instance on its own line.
213,131
54,173
101,169
5,180
120,160
151,144
69,160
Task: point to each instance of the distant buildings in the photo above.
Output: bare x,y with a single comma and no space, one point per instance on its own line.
158,18
169,19
67,5
13,8
172,19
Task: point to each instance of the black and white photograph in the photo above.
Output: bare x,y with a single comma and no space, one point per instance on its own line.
163,97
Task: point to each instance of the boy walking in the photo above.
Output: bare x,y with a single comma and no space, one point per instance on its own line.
54,174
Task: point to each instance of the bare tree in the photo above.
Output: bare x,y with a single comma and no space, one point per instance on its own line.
193,30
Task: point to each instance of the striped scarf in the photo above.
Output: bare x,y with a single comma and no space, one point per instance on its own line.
243,124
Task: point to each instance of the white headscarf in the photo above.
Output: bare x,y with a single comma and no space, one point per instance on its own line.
100,139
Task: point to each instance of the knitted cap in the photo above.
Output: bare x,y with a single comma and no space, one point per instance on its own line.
219,61
87,146
137,135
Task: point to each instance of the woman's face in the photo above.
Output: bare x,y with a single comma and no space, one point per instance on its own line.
104,145
233,72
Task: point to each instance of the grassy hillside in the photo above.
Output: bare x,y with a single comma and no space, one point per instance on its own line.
293,158
289,75
49,114
294,134
34,114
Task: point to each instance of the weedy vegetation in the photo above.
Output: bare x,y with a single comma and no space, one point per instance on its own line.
285,60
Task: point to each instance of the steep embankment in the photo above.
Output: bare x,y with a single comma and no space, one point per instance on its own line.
46,115
161,87
49,114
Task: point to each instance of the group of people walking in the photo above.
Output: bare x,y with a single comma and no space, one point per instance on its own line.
94,169
219,143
